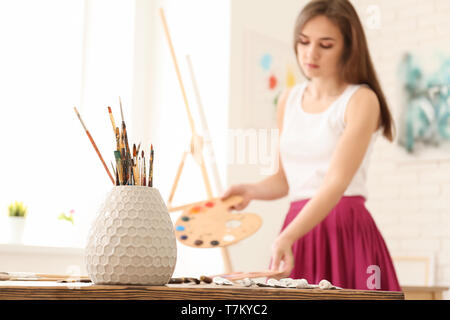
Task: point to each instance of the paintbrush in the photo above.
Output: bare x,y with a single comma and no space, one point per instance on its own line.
139,169
112,120
29,276
124,128
122,143
124,166
126,154
134,163
123,156
139,165
145,170
127,147
112,166
138,148
150,174
132,183
115,172
119,166
118,138
242,275
134,167
94,145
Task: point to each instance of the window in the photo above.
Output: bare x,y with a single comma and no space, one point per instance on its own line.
56,55
60,54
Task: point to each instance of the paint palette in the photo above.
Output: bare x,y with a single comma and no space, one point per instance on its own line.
210,224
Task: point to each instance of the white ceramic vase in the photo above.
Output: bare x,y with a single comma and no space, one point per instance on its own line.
16,229
132,239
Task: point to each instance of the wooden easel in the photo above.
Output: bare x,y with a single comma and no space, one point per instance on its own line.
196,147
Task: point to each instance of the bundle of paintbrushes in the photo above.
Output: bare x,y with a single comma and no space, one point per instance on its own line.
130,168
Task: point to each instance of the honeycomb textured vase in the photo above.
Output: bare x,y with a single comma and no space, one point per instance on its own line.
132,239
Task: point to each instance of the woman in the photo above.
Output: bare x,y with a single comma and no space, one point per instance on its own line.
328,125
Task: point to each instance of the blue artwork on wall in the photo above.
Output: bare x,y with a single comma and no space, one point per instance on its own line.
425,117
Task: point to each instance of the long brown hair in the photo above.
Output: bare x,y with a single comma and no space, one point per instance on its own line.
357,66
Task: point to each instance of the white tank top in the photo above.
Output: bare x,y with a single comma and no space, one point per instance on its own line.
308,141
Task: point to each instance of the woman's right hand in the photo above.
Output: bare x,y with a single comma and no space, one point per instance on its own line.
243,190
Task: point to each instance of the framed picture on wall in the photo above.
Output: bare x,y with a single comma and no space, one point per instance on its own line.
424,118
270,66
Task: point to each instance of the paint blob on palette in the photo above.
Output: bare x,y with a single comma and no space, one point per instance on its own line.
211,224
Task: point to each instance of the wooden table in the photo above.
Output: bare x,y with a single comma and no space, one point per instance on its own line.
47,290
423,292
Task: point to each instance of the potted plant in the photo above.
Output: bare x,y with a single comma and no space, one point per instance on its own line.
67,231
67,217
17,213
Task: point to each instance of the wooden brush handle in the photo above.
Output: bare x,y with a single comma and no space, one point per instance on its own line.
250,275
100,156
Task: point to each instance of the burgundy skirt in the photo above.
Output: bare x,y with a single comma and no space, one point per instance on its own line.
346,248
